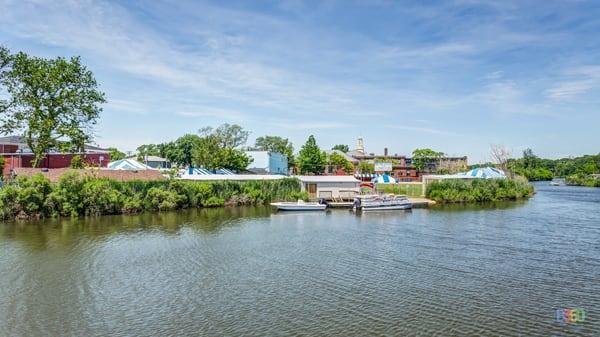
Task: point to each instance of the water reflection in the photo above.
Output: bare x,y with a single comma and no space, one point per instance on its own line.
495,269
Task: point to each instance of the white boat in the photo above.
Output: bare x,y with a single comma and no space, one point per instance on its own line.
300,205
389,202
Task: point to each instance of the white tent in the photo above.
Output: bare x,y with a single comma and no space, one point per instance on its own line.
483,173
384,179
128,164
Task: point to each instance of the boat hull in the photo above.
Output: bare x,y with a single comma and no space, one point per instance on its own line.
299,207
385,208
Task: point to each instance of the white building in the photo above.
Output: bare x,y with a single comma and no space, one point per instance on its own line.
330,187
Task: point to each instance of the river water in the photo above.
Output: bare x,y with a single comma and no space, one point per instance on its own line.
493,270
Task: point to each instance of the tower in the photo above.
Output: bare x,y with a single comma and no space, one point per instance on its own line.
360,145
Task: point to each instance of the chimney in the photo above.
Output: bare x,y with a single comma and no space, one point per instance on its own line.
385,152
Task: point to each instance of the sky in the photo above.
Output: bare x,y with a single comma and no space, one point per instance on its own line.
454,76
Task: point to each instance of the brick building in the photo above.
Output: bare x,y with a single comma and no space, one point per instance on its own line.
16,154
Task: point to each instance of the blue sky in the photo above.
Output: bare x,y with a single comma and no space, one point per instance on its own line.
455,76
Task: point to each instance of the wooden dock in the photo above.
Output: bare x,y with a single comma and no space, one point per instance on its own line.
421,202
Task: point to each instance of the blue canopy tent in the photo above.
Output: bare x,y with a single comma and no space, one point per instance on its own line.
383,179
484,173
128,164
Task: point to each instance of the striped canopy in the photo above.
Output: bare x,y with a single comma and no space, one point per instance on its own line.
128,164
484,173
201,171
384,179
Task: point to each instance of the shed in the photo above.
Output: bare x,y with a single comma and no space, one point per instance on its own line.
330,187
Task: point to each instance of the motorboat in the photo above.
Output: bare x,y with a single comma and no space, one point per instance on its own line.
388,202
299,205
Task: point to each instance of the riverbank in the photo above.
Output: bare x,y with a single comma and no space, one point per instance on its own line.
583,180
478,190
74,195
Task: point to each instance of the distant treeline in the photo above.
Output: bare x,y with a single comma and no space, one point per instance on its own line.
73,195
577,170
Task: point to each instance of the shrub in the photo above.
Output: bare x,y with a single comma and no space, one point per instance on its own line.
478,190
100,197
31,195
66,198
133,204
214,202
162,200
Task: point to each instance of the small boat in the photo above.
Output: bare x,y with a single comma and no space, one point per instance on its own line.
554,183
389,202
300,205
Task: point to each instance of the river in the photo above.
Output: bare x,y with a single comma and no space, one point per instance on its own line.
487,270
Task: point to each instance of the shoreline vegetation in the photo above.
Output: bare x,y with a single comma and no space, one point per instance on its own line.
479,190
36,197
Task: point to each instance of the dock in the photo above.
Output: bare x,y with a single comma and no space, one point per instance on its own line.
421,202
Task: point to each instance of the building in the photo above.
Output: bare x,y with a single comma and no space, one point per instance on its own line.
157,162
400,167
266,162
330,187
16,154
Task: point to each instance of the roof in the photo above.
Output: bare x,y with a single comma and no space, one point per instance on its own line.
155,158
328,179
22,142
119,175
128,164
234,177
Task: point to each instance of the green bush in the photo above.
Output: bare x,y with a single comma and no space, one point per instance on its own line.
100,197
162,200
31,195
214,202
75,195
478,190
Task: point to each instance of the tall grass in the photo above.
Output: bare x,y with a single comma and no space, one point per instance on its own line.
478,190
410,189
73,195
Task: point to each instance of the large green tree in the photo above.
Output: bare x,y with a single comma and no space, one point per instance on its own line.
310,159
341,147
340,162
218,148
422,157
276,144
115,154
53,102
181,151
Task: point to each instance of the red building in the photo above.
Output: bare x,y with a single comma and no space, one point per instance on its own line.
16,153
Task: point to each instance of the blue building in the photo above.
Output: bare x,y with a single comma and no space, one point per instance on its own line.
265,162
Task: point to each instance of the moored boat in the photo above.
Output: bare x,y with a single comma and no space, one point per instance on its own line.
368,203
300,205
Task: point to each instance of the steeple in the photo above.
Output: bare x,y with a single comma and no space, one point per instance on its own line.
360,145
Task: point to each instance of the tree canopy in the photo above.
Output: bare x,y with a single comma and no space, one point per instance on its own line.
310,159
54,103
115,154
218,148
341,147
340,162
422,157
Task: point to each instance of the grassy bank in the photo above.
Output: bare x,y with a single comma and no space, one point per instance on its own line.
409,189
478,190
582,180
72,195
